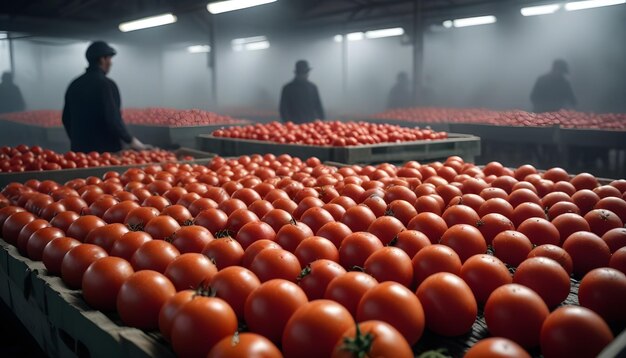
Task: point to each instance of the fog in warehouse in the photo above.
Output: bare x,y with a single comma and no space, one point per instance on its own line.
491,66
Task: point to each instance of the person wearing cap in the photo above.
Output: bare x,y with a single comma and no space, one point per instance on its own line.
553,91
91,115
300,101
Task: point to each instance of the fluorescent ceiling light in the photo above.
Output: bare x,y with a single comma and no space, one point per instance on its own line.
474,21
338,38
232,5
540,10
250,43
376,34
199,49
355,36
448,24
147,22
589,4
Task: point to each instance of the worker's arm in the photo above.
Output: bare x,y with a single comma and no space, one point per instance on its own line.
112,115
20,100
67,121
570,94
318,105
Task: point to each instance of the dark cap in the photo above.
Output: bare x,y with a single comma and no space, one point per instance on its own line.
302,66
99,49
560,66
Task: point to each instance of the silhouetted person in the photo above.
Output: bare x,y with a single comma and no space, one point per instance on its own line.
300,101
400,94
91,116
553,91
11,99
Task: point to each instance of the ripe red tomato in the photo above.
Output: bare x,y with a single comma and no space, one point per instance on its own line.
390,264
349,288
128,243
161,227
492,224
546,277
572,331
432,259
588,251
102,281
602,220
385,341
212,219
154,255
234,284
540,231
519,304
27,231
200,324
141,297
190,270
396,305
386,228
358,218
80,228
512,247
192,238
410,241
618,260
525,211
271,305
76,262
39,239
432,225
137,218
603,290
335,232
14,224
243,345
253,231
496,347
54,251
449,305
276,263
316,276
314,329
615,239
170,309
315,248
106,236
356,248
483,274
555,253
224,252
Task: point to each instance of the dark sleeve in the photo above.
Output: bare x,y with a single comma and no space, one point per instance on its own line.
112,115
570,93
283,106
67,121
20,100
318,104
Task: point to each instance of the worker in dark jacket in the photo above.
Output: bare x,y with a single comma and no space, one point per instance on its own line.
300,101
553,91
11,99
91,116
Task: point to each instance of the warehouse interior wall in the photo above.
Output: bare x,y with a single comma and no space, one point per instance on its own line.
495,66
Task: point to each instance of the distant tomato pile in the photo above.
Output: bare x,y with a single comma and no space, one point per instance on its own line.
563,118
300,251
329,133
142,116
24,158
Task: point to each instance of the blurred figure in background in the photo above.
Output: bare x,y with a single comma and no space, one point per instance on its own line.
553,91
91,116
11,99
400,94
300,101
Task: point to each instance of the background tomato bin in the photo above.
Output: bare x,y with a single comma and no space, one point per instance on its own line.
60,321
64,175
465,146
173,137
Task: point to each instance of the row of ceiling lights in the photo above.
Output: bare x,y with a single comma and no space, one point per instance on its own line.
261,42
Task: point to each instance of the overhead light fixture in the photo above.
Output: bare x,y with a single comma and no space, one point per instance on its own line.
250,43
355,36
147,22
590,4
199,49
540,10
470,21
376,34
232,5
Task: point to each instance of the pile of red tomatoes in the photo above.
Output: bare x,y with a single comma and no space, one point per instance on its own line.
563,118
300,251
330,133
23,158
